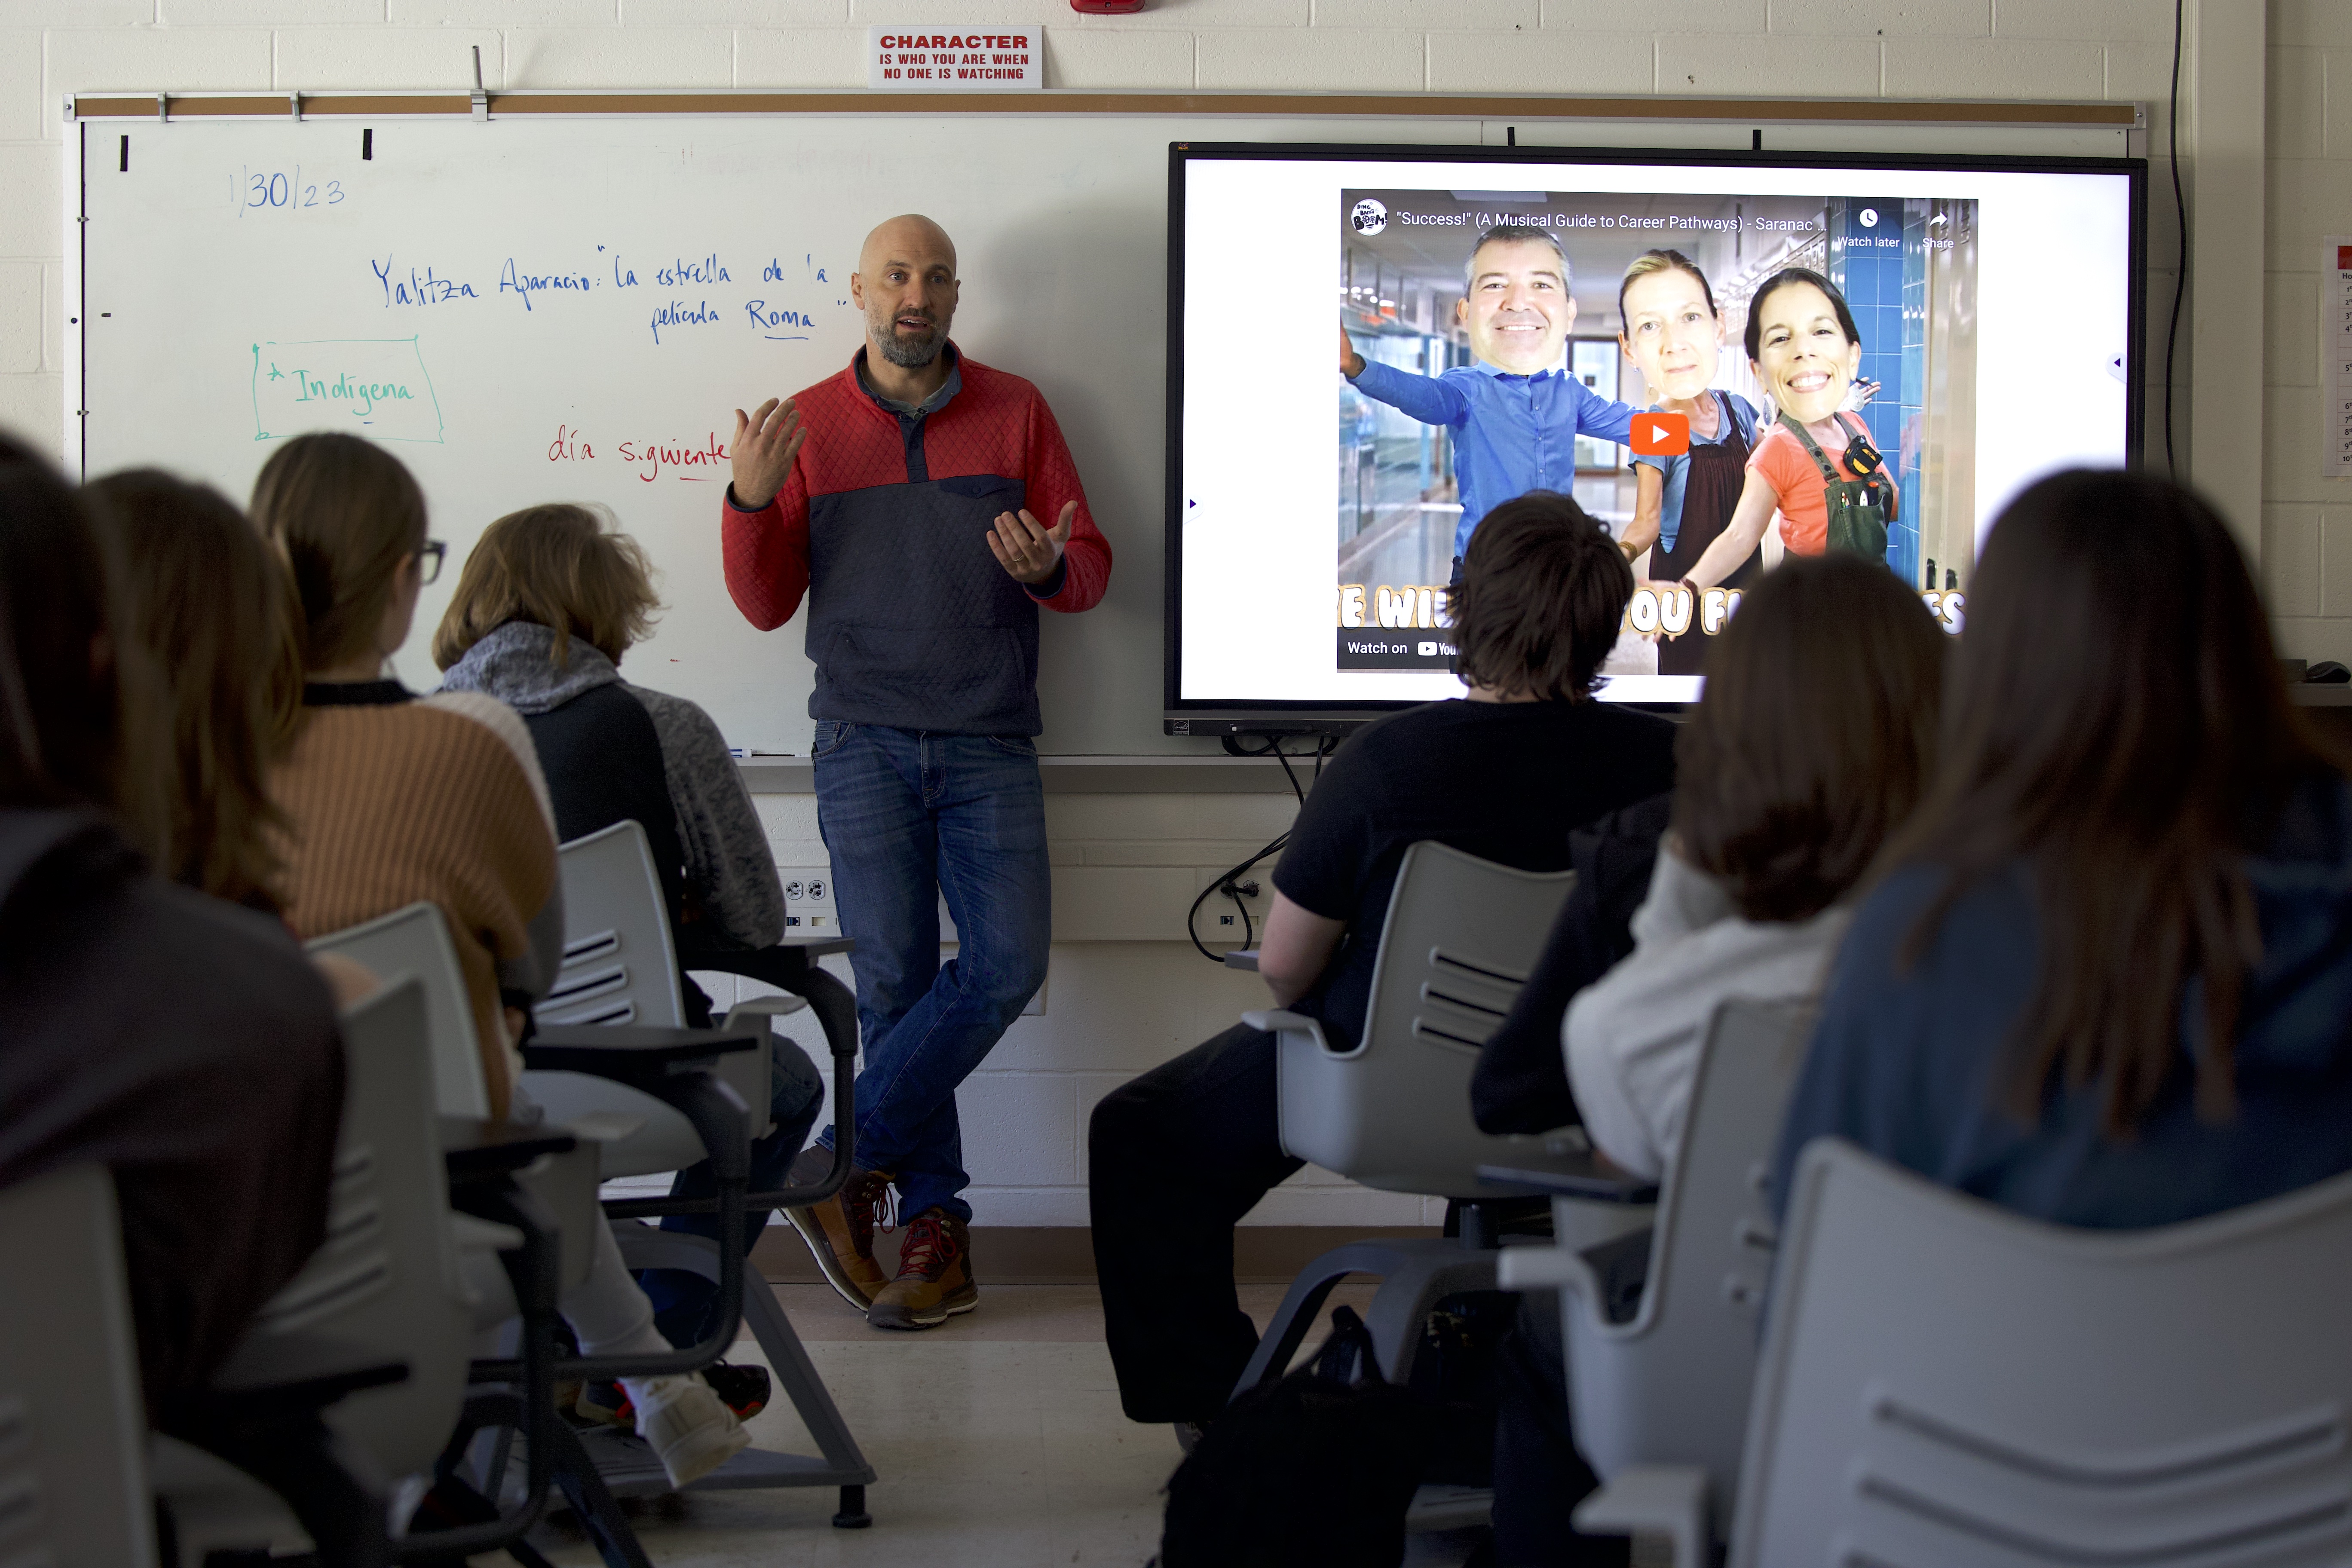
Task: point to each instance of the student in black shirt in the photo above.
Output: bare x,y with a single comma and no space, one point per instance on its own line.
1178,1155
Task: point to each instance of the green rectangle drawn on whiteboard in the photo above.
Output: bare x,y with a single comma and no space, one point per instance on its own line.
376,387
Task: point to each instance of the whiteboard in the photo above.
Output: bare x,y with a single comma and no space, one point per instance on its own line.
465,295
531,309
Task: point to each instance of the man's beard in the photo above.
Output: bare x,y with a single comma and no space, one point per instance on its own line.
906,353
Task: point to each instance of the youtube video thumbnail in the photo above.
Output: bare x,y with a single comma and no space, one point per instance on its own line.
1721,381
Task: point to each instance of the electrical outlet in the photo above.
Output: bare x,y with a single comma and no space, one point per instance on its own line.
808,900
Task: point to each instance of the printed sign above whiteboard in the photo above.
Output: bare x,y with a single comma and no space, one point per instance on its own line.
1000,55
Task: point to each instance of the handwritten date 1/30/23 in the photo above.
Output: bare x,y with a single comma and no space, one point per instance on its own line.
281,190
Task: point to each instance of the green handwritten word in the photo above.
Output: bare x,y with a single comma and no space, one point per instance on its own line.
377,387
364,394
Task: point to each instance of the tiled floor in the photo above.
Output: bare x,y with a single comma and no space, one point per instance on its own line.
998,1438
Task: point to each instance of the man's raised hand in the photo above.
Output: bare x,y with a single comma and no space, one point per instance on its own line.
767,439
1026,548
1351,363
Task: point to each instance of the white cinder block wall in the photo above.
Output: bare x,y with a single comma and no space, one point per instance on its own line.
1112,1008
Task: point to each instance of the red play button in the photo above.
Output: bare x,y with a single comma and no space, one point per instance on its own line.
1660,434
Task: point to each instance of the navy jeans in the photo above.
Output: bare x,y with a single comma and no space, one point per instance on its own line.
910,817
683,1302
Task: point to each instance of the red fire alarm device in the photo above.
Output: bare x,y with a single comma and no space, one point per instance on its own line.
1106,7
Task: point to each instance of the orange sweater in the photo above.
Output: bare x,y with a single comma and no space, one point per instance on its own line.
399,800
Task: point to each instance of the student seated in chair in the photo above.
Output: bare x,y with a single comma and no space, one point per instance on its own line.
2105,977
1178,1155
174,1038
1814,741
391,799
547,605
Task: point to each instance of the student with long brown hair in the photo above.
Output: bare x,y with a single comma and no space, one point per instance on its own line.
173,1037
1815,742
391,799
2105,978
210,610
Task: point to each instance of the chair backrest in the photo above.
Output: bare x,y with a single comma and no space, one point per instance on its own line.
1947,1381
73,1426
1672,1384
1393,1112
415,941
618,964
387,1281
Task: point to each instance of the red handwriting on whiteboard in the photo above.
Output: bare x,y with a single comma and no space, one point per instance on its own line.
648,459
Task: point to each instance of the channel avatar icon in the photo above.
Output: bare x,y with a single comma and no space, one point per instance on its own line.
1660,435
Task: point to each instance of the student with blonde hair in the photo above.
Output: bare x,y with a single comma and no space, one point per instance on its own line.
392,798
548,604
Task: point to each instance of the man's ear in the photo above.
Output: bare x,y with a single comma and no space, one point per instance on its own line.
1571,309
1462,312
857,290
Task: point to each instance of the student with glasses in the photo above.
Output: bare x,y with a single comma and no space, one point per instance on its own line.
390,798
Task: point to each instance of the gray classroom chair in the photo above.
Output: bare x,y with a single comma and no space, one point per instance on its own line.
415,941
1944,1381
619,967
73,1427
1393,1112
387,1286
1671,1384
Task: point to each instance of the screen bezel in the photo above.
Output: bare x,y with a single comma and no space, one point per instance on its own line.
1176,706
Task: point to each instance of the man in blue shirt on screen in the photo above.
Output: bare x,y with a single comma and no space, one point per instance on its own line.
1515,414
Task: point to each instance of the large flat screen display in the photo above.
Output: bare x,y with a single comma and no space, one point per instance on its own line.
1726,359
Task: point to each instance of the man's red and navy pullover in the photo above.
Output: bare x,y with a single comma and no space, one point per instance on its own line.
885,520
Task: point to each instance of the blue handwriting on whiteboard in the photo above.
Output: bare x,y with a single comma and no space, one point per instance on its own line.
429,290
765,319
529,283
679,313
680,272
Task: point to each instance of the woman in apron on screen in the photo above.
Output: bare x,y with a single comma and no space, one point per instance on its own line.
1684,500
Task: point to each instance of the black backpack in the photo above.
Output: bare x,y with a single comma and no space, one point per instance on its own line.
1859,510
1315,1471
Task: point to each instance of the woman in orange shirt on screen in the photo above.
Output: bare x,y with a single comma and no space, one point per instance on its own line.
1816,466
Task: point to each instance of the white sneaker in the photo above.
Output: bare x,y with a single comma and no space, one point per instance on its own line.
688,1424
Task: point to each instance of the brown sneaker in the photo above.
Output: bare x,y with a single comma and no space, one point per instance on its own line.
840,1230
934,1279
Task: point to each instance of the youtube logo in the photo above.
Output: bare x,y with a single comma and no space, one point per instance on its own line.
1659,435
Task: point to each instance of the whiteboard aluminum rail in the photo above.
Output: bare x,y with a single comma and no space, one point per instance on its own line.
1456,106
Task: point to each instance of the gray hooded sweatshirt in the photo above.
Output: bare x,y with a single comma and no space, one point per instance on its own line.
731,872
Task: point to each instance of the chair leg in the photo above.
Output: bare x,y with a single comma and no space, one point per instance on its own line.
1302,1305
1419,1276
594,1506
788,1359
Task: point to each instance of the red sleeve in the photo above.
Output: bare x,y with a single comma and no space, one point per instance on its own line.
1051,481
767,552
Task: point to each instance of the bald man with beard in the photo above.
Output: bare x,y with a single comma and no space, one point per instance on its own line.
908,498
